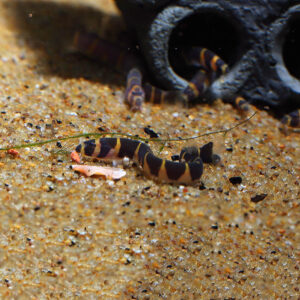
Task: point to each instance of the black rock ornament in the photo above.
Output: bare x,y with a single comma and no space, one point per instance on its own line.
259,39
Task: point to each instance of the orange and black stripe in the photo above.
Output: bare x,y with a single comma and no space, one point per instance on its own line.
188,170
213,67
197,85
154,94
158,96
239,103
196,88
134,93
206,59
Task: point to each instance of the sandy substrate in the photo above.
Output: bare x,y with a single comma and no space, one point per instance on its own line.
64,235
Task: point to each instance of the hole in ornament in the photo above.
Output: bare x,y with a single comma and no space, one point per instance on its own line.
291,46
209,29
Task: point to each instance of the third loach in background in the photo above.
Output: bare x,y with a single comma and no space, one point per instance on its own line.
260,40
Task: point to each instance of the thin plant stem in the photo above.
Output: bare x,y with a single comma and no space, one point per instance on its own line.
96,134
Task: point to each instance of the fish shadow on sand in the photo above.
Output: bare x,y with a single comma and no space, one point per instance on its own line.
48,29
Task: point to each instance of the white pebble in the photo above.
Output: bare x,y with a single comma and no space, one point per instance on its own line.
110,182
